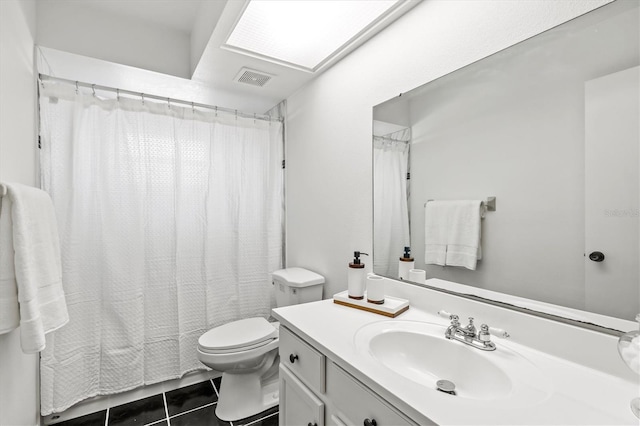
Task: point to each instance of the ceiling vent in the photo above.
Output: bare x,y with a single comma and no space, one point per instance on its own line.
253,77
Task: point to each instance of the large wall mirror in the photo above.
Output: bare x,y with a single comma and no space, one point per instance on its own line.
550,127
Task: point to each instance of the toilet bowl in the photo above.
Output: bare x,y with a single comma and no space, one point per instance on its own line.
246,351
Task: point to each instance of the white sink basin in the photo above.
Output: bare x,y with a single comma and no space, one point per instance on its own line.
418,352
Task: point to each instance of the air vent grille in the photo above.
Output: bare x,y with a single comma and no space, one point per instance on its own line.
253,77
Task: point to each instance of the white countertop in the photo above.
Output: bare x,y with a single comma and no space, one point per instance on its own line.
578,394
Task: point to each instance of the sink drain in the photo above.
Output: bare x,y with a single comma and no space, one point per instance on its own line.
446,386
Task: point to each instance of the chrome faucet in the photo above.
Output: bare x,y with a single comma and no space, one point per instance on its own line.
469,335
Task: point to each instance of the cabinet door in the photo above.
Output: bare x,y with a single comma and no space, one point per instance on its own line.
334,420
356,404
298,405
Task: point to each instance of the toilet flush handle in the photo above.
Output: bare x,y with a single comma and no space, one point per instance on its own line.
292,358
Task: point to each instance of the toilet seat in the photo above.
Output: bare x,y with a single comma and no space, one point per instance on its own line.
238,336
234,350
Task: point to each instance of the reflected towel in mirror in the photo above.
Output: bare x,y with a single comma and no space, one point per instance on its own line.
452,233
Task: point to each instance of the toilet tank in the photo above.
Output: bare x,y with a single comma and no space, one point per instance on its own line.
296,285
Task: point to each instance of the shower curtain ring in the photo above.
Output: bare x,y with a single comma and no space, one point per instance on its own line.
93,89
76,87
142,95
118,95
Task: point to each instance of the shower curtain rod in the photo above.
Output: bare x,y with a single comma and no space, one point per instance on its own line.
385,138
45,77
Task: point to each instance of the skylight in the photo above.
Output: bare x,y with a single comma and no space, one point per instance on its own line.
303,34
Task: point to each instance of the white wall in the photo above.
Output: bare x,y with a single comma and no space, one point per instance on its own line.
18,372
75,67
329,172
64,25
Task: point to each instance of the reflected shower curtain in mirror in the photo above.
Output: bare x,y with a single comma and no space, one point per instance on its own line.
391,192
170,224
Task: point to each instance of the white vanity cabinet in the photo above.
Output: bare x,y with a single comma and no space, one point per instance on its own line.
355,404
298,405
313,389
302,378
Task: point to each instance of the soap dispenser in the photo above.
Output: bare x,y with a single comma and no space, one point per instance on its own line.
406,264
355,279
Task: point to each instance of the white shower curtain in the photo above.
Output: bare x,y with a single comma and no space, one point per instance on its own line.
170,223
390,201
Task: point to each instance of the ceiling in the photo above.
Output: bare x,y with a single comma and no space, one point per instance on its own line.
177,14
207,24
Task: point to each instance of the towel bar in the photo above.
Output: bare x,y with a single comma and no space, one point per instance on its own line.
489,204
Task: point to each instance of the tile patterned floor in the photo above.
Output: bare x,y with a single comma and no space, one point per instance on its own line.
192,405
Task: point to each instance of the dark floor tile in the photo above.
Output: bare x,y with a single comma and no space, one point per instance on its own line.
141,412
217,382
202,417
92,419
160,423
266,418
190,397
271,420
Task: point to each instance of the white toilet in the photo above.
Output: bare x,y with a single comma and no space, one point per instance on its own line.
246,351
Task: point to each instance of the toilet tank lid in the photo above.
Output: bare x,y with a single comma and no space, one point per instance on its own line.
298,277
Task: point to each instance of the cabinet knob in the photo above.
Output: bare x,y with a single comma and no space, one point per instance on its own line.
371,422
292,358
596,256
312,424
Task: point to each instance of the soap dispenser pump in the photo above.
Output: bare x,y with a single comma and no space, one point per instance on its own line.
405,264
355,279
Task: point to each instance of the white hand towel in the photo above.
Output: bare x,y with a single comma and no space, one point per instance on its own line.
9,307
452,233
30,266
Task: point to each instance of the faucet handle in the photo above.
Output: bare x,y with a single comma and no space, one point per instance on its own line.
498,332
483,334
445,314
453,317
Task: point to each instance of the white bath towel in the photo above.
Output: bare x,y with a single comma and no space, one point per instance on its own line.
31,293
452,233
